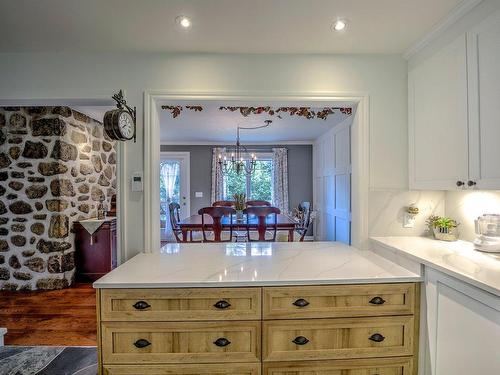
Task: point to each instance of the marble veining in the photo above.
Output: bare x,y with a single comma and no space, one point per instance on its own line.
458,259
254,264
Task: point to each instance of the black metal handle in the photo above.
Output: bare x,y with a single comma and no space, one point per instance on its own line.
377,337
301,302
471,183
222,304
141,343
141,305
460,183
300,340
377,301
222,341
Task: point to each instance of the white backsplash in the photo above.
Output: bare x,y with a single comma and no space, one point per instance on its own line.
465,206
387,210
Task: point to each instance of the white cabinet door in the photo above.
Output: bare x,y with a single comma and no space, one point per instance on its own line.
438,120
463,328
483,44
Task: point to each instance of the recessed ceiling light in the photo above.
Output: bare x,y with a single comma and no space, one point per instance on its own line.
339,25
184,21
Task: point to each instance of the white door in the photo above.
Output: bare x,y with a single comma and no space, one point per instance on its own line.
174,188
463,328
438,120
483,44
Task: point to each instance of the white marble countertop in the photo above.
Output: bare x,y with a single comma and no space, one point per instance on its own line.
457,259
254,264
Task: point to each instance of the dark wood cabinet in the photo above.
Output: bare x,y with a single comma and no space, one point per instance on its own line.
95,254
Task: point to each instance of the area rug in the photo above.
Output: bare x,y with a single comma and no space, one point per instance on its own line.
48,360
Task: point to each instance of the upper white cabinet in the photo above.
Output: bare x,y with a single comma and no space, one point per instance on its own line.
438,119
483,48
454,113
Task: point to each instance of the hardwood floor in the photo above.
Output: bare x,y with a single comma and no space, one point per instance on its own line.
64,317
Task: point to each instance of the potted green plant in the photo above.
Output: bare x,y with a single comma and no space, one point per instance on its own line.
443,228
239,205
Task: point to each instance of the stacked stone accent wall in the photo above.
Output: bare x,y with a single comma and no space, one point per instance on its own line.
56,166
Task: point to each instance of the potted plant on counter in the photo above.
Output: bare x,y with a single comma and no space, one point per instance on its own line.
443,228
239,205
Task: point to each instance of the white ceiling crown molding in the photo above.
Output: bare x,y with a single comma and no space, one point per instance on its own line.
461,10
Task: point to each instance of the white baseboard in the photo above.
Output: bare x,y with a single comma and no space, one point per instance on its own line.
3,331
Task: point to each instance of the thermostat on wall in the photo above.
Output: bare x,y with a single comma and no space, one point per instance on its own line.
137,184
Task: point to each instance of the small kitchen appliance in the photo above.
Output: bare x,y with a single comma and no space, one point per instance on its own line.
488,233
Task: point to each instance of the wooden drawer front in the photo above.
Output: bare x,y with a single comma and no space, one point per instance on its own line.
382,366
211,369
180,342
338,301
181,304
338,338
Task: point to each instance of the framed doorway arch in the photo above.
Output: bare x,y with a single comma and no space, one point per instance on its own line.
360,151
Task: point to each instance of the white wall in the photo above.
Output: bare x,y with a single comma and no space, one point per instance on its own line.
384,78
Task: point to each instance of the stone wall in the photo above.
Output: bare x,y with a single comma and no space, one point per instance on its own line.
56,165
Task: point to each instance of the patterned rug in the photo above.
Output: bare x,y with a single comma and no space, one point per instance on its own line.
48,360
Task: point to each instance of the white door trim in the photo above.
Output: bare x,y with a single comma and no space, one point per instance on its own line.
185,156
360,153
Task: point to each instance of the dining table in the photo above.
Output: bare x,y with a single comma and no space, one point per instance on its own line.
193,223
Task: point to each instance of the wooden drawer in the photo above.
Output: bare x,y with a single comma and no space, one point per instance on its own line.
211,369
334,301
338,338
181,304
381,366
176,342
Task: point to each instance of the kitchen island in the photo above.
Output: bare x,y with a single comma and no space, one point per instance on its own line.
259,308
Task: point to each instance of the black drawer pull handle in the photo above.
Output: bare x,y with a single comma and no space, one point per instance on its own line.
377,337
301,302
141,305
141,343
377,301
300,340
222,305
222,341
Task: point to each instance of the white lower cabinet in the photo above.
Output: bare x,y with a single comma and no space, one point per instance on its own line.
462,328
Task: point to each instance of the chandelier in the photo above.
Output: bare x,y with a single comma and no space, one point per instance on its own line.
236,159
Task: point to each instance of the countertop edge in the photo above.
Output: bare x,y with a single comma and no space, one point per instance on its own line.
408,279
447,270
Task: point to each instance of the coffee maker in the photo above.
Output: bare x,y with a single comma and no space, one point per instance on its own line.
488,233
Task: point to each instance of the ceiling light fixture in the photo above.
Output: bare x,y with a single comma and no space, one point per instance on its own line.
184,21
339,25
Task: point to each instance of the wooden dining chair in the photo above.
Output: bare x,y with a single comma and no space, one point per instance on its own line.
216,213
305,220
263,227
223,204
174,214
258,203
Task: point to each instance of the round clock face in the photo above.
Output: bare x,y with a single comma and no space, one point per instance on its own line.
126,125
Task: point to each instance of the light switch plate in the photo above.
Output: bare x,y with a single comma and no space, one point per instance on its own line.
198,194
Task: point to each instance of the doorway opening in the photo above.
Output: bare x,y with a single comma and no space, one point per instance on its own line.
334,188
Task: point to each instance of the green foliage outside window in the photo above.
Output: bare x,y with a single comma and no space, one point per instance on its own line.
257,186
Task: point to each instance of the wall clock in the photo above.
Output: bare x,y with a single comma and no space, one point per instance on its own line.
120,123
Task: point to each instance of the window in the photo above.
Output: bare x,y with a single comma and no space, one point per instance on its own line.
257,186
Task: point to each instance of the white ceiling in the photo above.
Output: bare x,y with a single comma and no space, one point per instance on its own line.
213,126
219,26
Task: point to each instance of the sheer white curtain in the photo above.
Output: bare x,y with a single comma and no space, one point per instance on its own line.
169,172
217,177
280,178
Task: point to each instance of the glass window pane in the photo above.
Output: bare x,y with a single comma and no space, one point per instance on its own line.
261,181
234,183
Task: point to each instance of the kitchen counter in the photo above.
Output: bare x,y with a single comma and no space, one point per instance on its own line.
457,259
255,264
